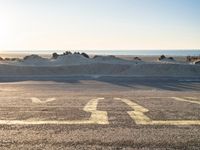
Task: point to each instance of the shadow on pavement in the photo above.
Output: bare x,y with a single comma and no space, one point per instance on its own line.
136,83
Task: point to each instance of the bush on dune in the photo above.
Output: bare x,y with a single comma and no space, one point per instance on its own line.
7,59
67,53
77,53
10,59
55,55
162,57
192,58
85,55
137,58
15,59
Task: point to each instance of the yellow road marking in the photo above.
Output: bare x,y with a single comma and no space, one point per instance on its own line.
175,122
97,117
101,117
140,118
194,98
186,100
55,106
138,114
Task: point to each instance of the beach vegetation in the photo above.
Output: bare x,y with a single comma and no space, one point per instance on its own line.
137,58
192,58
55,55
85,55
67,53
162,57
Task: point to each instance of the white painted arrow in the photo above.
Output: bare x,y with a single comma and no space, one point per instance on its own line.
38,101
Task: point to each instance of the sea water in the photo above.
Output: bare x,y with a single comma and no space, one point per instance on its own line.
112,52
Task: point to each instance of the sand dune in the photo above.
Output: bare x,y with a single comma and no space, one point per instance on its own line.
66,60
103,65
105,69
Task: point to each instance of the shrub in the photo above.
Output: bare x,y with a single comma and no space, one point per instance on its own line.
67,53
188,58
15,59
7,59
162,57
76,53
85,55
137,58
192,58
55,55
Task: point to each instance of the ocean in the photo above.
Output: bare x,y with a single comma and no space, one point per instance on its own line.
146,52
111,52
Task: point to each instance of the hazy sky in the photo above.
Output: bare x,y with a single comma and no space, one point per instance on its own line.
99,24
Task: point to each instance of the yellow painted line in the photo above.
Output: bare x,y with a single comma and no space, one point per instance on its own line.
151,97
36,122
138,114
176,122
21,106
193,98
97,117
186,100
140,118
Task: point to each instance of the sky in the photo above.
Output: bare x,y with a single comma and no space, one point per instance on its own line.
99,24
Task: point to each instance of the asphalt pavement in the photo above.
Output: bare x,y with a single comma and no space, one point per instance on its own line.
99,112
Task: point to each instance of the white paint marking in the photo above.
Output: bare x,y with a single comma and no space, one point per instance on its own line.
38,101
97,117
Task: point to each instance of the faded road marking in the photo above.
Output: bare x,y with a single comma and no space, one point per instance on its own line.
97,117
186,100
175,122
193,98
140,118
38,101
138,114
